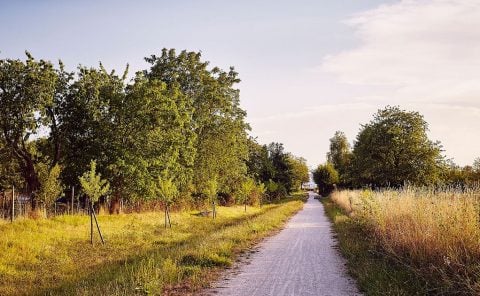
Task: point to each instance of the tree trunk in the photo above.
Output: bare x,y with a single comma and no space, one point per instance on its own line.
31,178
91,223
115,204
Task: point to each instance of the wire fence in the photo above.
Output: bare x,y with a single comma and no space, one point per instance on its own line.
14,204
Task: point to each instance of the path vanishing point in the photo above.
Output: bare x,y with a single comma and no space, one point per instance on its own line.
302,260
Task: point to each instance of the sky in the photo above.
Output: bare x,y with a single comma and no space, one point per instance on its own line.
308,67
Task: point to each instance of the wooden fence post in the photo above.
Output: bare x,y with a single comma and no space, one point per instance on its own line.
98,226
13,204
91,222
73,194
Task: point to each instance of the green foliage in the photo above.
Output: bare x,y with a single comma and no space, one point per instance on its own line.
92,183
394,149
211,189
259,164
167,190
51,187
275,190
180,119
476,165
340,156
217,118
278,170
9,168
456,176
283,171
27,91
326,177
141,256
299,171
250,192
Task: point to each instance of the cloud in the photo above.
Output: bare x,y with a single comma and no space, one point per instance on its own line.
310,111
419,51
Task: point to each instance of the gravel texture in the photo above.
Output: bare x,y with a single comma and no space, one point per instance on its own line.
302,259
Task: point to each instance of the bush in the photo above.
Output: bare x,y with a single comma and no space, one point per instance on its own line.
325,176
275,190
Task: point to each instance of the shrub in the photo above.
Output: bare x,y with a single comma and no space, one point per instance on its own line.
325,176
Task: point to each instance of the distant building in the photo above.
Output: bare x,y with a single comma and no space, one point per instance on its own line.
310,185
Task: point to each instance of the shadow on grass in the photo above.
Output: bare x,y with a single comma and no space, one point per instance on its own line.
183,252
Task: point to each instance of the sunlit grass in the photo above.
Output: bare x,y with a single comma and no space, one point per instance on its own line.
54,256
434,234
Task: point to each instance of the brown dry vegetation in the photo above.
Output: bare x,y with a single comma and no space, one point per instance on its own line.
435,235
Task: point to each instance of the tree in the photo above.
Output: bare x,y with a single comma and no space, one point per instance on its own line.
167,191
211,191
393,149
247,189
92,183
135,132
9,168
218,121
259,165
27,92
51,187
282,169
89,125
340,155
476,165
325,176
94,187
299,171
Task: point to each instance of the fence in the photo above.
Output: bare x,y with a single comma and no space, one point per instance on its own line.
14,204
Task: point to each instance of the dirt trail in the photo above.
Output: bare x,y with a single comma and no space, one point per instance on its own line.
299,260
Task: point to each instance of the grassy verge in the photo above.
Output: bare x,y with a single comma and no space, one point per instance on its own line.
54,257
375,274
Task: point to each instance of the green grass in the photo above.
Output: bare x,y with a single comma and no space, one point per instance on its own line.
375,274
54,256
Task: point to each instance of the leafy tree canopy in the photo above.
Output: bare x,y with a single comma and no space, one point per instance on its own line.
393,149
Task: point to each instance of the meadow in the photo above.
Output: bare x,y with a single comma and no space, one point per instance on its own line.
411,241
141,256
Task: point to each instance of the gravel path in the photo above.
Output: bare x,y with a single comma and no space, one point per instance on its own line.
300,260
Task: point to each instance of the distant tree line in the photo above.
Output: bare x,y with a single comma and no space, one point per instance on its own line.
178,123
392,150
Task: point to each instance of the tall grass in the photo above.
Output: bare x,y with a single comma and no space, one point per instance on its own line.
54,256
435,234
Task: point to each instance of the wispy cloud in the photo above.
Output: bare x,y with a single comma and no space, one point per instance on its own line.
423,55
425,51
312,111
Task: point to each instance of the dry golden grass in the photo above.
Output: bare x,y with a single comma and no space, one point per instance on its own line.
54,256
437,234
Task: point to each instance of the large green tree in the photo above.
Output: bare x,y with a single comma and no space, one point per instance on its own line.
393,149
340,155
218,121
9,168
283,173
259,164
326,177
27,97
299,171
137,132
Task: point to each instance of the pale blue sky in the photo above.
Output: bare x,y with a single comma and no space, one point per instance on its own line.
300,61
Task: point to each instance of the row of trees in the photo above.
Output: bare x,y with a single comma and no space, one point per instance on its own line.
391,150
177,124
